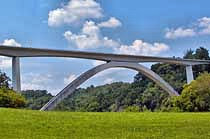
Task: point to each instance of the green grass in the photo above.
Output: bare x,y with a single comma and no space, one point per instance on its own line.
25,124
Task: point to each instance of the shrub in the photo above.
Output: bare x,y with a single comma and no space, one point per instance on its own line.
195,96
11,99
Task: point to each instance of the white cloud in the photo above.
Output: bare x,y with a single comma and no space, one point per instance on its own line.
6,62
41,81
69,79
111,23
204,23
179,33
36,81
90,37
90,28
201,27
142,48
75,11
11,42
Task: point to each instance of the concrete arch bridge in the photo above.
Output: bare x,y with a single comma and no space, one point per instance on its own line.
112,61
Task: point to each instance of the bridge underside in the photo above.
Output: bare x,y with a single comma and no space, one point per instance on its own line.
90,73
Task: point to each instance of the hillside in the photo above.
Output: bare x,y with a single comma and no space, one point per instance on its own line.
27,124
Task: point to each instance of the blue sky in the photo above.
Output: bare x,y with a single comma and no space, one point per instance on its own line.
146,27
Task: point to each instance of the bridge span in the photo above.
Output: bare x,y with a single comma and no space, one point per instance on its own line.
112,61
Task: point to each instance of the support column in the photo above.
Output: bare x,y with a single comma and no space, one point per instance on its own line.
16,74
189,73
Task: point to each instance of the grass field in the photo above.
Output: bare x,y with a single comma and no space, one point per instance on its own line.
25,124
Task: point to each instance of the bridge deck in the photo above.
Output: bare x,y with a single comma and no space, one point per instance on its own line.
37,52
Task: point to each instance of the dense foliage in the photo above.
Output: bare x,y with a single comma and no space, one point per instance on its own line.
8,97
4,80
36,98
11,99
113,97
195,96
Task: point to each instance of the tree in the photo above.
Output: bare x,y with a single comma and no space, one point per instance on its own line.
189,54
203,54
174,74
8,97
11,99
4,80
36,98
200,53
152,97
195,96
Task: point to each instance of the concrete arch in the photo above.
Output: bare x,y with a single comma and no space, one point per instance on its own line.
69,89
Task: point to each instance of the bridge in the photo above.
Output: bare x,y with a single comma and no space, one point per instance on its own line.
112,61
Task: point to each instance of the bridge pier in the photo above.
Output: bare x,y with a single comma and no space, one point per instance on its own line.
16,74
189,73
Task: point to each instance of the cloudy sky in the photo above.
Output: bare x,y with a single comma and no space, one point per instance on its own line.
146,27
